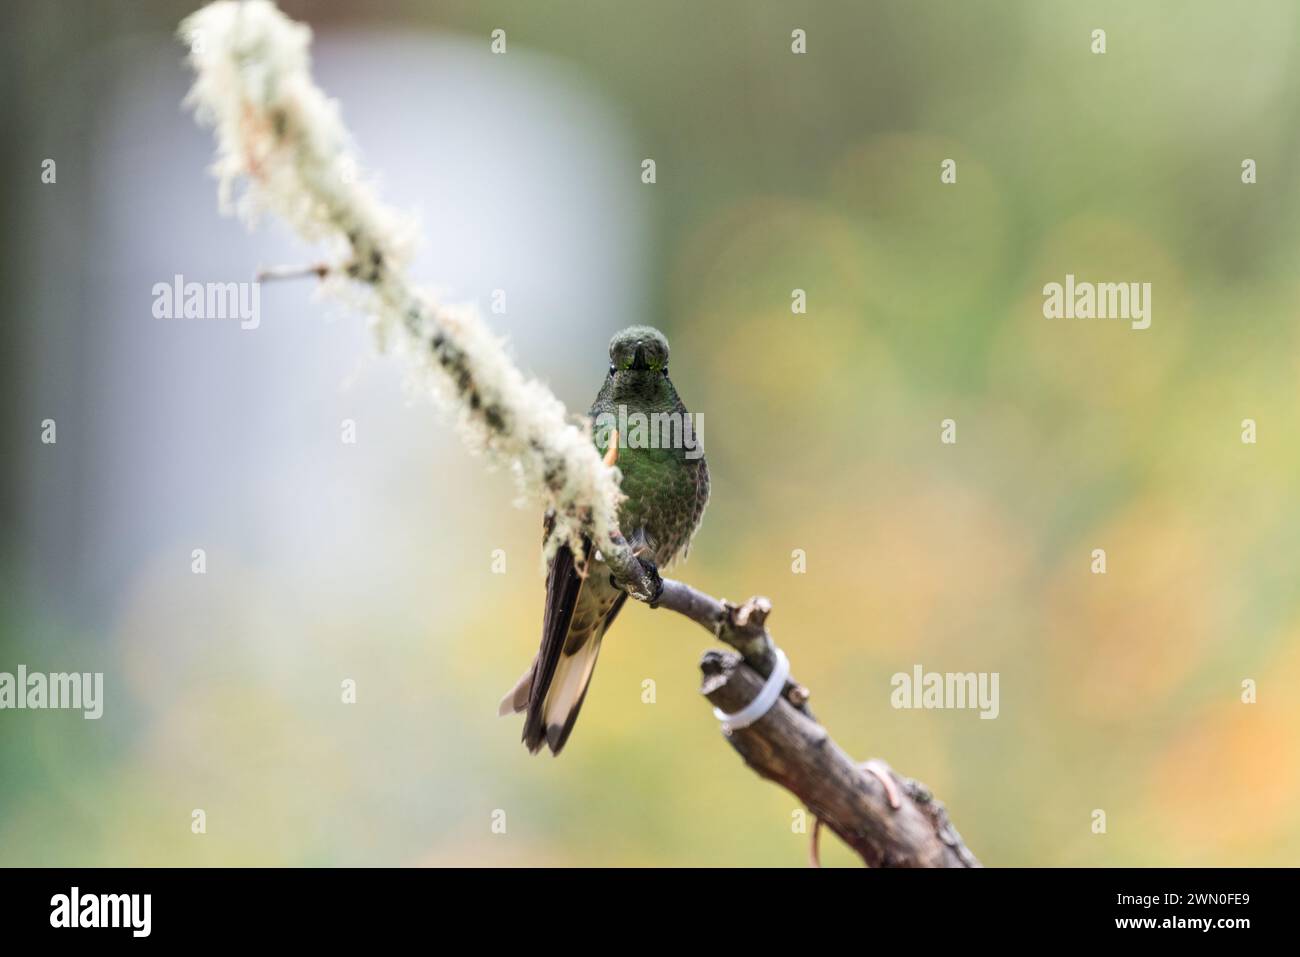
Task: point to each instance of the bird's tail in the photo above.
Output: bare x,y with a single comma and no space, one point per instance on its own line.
516,699
564,696
579,607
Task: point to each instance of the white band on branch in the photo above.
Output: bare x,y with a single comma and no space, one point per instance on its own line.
763,701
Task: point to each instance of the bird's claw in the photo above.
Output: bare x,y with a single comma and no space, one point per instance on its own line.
655,581
659,592
648,587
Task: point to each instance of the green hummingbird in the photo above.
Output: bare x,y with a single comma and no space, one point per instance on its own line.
666,484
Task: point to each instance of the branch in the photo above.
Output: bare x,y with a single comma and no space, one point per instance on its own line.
862,804
281,138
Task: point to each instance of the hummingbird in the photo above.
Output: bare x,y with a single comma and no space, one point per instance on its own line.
666,486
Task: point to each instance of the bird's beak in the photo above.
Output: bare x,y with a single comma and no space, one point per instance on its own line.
639,361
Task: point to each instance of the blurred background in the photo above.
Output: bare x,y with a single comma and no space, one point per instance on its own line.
374,561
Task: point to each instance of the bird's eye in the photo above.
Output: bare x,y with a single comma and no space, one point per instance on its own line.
611,368
665,371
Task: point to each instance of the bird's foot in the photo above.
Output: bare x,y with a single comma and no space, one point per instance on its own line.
655,580
648,587
633,571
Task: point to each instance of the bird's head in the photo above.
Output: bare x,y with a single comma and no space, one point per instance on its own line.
637,357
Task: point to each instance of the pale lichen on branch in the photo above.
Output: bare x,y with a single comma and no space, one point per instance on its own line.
281,139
